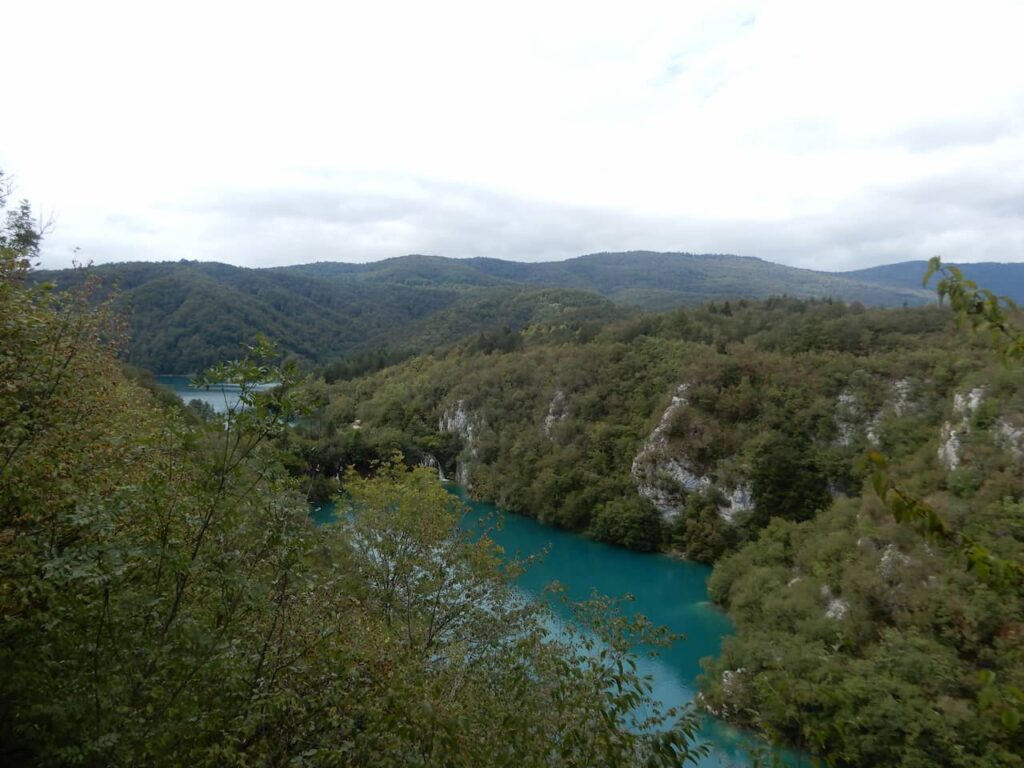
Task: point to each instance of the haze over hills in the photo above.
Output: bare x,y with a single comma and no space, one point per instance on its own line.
647,279
184,316
1004,279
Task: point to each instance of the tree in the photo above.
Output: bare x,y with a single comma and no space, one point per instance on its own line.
787,482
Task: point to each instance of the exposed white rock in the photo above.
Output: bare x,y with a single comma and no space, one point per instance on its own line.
557,411
430,462
1010,437
965,404
732,678
459,421
664,479
849,401
847,417
739,501
949,446
901,389
733,682
658,476
891,561
835,607
871,430
952,433
851,416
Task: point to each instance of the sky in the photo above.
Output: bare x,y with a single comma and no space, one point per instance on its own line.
830,135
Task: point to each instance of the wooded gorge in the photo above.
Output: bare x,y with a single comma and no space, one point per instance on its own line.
736,433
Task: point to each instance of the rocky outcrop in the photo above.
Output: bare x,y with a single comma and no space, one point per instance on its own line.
836,608
852,418
558,409
901,402
953,432
1010,437
457,420
664,477
847,417
891,562
430,462
733,689
738,501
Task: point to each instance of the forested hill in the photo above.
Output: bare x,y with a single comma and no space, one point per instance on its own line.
646,279
668,280
184,316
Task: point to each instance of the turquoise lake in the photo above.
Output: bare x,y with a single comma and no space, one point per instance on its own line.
669,592
219,398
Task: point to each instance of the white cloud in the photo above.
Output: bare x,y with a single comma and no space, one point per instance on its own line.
824,134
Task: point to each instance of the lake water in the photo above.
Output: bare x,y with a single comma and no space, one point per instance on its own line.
220,397
669,592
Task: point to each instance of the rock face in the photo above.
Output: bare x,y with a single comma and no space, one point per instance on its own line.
891,561
734,688
836,608
664,478
851,416
430,462
847,417
457,420
1010,437
558,409
901,402
950,440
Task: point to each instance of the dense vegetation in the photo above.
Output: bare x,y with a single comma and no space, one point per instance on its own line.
164,599
184,316
856,637
763,383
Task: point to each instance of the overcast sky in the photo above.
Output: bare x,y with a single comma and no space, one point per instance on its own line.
822,134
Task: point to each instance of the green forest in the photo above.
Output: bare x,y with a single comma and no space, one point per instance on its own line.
736,434
352,318
854,475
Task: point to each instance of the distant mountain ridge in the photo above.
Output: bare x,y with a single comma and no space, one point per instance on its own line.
646,279
1003,279
184,316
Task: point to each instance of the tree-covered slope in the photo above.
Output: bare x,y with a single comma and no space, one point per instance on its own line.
183,317
736,433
